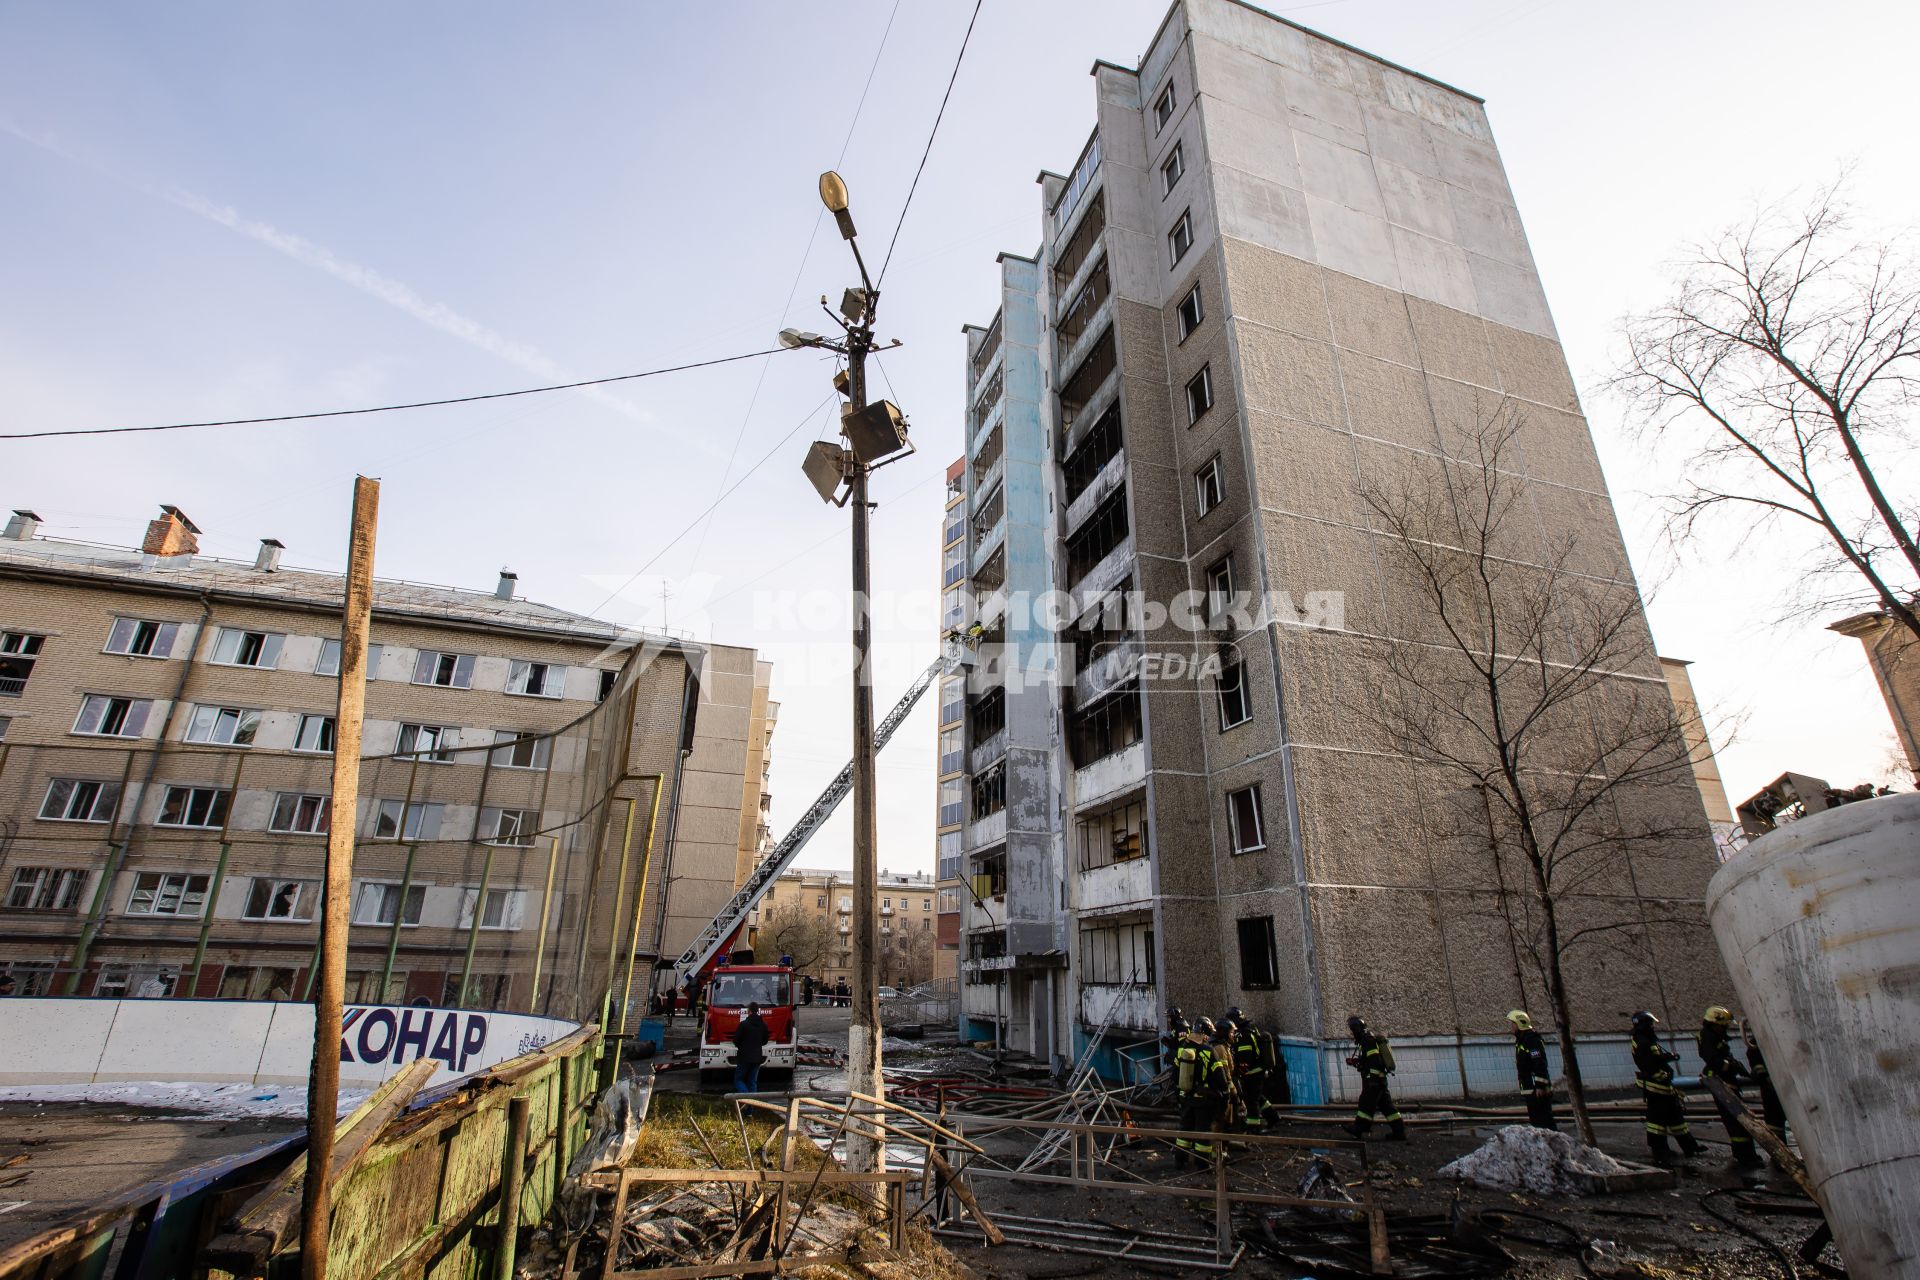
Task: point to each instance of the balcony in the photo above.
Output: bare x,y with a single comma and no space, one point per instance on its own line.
1133,1009
990,564
989,348
983,833
1091,372
1112,666
12,686
985,548
988,481
1079,185
1114,888
1110,477
989,753
1106,574
1110,776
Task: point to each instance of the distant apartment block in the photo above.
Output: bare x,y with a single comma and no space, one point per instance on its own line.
809,916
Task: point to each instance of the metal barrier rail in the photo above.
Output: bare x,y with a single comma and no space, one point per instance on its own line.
1081,1148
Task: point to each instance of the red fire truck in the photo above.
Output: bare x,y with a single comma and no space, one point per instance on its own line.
732,988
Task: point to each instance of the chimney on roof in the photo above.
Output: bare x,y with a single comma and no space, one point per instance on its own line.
22,526
269,558
172,534
503,590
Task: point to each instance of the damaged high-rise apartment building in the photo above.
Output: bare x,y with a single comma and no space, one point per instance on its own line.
1279,267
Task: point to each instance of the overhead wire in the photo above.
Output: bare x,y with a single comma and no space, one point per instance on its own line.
931,135
799,273
390,408
708,510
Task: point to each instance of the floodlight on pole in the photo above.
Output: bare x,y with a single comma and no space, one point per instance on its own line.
799,338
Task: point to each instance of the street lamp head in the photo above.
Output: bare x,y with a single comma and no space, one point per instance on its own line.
833,194
798,338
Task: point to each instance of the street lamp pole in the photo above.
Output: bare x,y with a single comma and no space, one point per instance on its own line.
864,1066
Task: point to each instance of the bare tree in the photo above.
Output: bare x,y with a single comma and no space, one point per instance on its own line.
909,961
1537,691
1784,369
792,930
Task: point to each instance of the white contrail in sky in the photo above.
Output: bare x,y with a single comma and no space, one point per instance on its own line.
436,315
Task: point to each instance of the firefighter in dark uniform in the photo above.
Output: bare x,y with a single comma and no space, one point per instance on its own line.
1718,1061
1249,1070
1770,1109
1373,1059
1653,1076
1191,1063
1536,1078
1224,1087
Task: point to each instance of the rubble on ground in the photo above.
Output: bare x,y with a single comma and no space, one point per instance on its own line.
1540,1161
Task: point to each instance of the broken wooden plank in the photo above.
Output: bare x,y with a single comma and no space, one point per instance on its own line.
961,1189
264,1226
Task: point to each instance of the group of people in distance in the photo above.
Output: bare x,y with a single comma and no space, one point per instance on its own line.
1229,1077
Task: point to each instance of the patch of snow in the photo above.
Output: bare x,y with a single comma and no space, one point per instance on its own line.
215,1101
1522,1158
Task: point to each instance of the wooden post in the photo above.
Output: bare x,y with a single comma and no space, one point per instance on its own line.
512,1180
323,1081
563,1129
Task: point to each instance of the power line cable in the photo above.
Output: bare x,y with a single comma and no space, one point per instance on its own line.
724,495
390,408
933,133
805,255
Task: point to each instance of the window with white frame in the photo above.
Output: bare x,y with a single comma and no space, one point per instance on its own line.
431,743
1192,312
1163,109
106,716
1236,705
236,647
508,826
45,888
80,800
503,910
1180,239
536,679
142,637
223,726
448,670
398,820
168,893
328,663
1199,394
194,807
1208,489
379,902
315,734
301,813
1244,822
521,750
280,899
1170,170
1220,588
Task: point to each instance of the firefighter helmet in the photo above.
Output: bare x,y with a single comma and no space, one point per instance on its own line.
1177,1021
1205,1027
1719,1015
1237,1016
1356,1025
1645,1021
1520,1020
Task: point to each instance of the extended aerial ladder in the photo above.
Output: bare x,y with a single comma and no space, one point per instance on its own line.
747,896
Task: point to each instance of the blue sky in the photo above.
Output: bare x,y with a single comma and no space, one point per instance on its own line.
229,210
